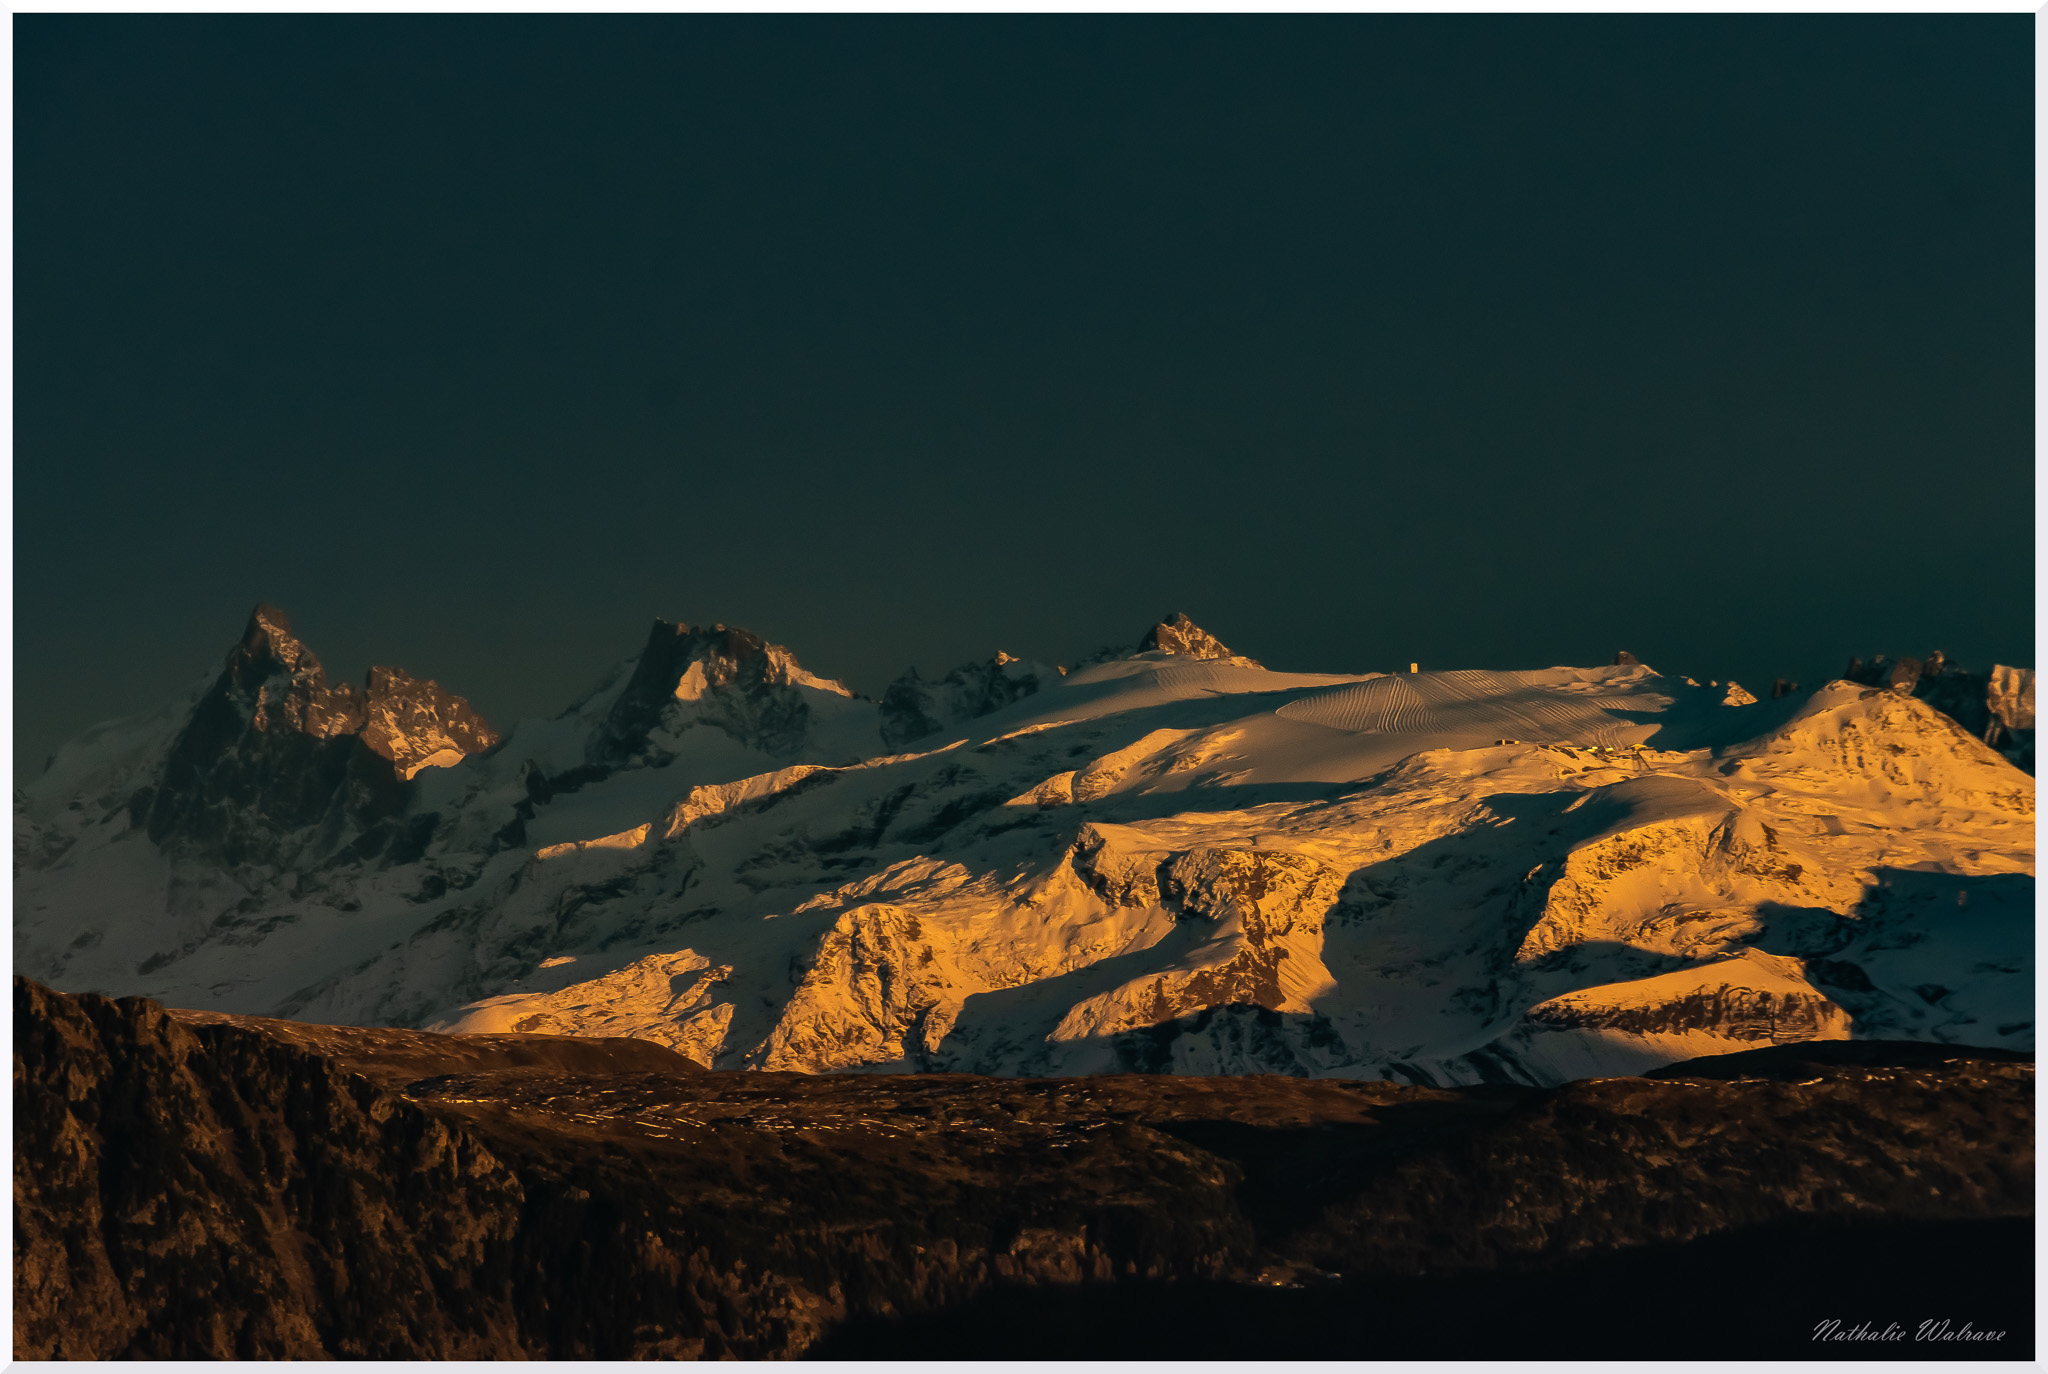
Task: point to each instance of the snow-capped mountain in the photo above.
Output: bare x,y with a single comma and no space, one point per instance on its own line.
913,708
1171,859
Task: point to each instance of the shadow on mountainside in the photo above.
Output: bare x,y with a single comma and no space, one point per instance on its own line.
996,1025
1923,954
1765,1293
1703,723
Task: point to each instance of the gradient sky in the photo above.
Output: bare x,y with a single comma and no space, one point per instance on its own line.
478,342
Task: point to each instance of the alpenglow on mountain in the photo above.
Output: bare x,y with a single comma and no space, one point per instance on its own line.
1169,859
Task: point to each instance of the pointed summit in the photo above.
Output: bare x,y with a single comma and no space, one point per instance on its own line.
280,684
1176,634
270,632
272,750
721,676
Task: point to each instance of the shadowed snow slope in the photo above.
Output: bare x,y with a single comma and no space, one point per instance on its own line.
1164,862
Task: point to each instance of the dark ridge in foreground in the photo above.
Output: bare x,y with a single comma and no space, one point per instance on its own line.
394,1058
1747,1296
1801,1059
196,1186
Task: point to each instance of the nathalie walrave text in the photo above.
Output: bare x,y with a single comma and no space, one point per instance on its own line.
1929,1330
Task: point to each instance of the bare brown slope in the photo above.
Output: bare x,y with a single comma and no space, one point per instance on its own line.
210,1193
209,1188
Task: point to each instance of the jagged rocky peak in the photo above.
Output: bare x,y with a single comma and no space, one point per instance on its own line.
2010,696
416,724
721,676
284,682
273,748
1176,634
683,661
913,708
1163,830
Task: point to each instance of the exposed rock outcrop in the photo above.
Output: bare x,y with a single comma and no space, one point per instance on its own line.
1176,634
209,1193
2010,697
872,993
1740,1001
205,1188
722,678
1117,865
272,752
1255,918
416,724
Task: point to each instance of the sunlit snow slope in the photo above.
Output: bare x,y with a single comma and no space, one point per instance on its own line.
1170,861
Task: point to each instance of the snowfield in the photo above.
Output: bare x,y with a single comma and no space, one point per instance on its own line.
1162,862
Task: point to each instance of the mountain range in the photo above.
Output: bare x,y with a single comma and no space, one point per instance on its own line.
1164,859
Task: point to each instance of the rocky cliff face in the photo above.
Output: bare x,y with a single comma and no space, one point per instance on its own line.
271,750
1254,922
272,755
2009,698
201,1187
415,724
213,1194
722,679
1176,634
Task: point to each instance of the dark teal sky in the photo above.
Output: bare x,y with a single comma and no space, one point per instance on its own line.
478,342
